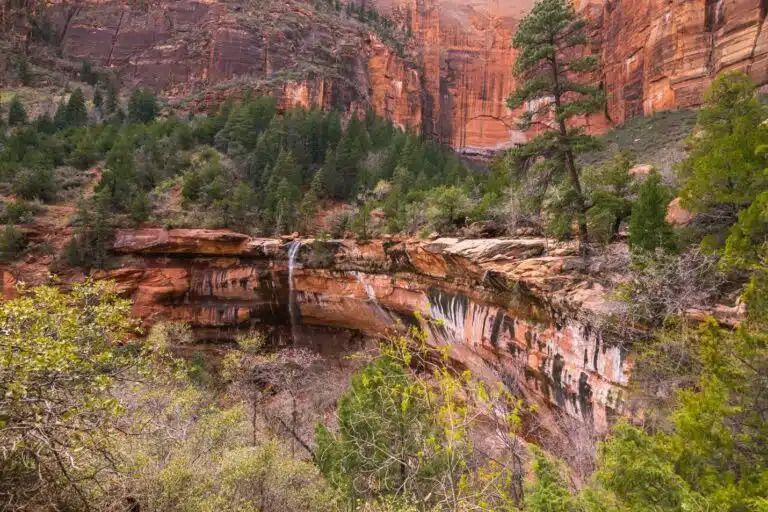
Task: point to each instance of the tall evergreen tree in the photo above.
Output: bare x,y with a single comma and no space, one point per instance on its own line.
556,82
77,114
60,117
310,203
142,106
93,232
111,101
648,228
724,171
87,74
17,115
118,182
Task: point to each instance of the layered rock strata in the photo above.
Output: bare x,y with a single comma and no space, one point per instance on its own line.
452,80
509,309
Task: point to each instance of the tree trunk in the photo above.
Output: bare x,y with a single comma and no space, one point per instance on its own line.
570,161
581,204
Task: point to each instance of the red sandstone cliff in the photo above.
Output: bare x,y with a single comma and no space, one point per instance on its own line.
656,55
453,79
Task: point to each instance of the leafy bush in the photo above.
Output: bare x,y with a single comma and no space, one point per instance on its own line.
12,242
19,212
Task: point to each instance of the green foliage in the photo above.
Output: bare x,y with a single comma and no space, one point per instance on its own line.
98,99
87,73
648,228
406,439
383,419
142,106
19,212
204,182
17,115
140,207
558,86
36,183
111,101
12,242
711,455
76,113
747,243
549,491
268,172
93,233
609,187
723,173
59,361
23,73
449,207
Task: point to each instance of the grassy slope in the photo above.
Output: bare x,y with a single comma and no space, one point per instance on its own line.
658,140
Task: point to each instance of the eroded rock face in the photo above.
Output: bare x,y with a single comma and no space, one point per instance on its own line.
655,54
660,55
515,310
452,80
202,52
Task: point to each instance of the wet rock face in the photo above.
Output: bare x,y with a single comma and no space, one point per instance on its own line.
508,310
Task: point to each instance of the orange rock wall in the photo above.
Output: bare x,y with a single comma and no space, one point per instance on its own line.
660,55
451,82
508,311
656,55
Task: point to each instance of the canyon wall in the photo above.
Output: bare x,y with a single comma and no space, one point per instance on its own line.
201,52
655,55
511,310
452,79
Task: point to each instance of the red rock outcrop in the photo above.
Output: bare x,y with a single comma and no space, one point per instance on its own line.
515,310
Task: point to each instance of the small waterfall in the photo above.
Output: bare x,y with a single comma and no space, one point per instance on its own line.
451,311
371,292
293,251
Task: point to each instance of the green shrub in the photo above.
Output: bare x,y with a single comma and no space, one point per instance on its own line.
12,242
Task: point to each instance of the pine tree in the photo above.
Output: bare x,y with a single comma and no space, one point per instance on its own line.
111,100
93,233
648,228
17,115
60,117
310,203
142,106
330,176
549,491
77,114
724,171
98,99
23,71
141,207
118,181
348,155
12,242
557,83
87,74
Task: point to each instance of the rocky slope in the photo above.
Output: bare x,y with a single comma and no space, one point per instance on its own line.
510,309
452,80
